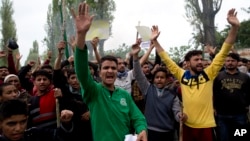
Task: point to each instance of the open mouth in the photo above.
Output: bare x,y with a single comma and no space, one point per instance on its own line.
199,67
110,77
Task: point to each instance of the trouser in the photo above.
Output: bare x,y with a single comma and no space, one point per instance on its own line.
228,124
160,136
197,134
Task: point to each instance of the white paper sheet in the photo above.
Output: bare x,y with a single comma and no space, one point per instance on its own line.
130,137
145,32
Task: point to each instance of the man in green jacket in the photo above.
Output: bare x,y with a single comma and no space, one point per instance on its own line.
112,109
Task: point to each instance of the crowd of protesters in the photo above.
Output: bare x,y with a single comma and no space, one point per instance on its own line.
105,100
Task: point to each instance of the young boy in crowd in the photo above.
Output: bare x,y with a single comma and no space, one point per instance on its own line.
13,122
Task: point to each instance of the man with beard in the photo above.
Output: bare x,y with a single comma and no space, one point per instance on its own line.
231,98
124,77
197,83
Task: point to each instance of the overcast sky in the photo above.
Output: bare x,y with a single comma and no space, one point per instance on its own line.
30,18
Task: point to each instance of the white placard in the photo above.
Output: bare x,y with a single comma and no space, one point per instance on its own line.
145,32
130,137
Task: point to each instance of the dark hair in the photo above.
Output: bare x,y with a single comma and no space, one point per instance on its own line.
94,66
160,69
46,66
192,53
13,107
235,56
145,63
42,73
108,58
1,67
244,60
70,72
2,86
180,64
118,57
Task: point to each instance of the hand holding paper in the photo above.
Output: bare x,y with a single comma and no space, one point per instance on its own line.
130,137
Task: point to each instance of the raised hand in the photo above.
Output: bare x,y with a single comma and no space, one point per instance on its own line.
232,18
18,56
83,20
210,49
72,42
136,47
154,32
49,54
60,46
233,49
32,63
39,61
95,42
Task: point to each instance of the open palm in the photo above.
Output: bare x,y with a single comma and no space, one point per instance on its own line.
83,20
154,32
232,18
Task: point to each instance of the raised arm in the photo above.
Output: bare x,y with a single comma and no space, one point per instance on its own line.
154,35
18,58
219,59
146,55
49,56
82,24
72,43
171,65
139,76
11,63
60,47
94,44
235,24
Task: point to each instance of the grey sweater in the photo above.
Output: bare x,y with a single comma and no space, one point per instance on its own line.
162,106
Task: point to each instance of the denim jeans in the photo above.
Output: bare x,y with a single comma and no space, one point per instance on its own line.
226,125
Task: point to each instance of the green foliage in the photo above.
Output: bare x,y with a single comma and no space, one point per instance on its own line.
243,38
8,28
34,53
177,53
8,24
53,28
247,10
103,9
121,51
201,15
